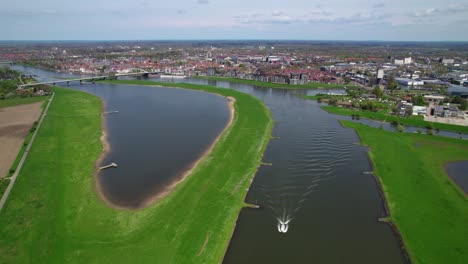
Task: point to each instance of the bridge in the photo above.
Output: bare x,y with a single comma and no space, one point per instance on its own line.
89,79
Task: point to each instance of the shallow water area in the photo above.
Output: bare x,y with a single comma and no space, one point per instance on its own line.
458,172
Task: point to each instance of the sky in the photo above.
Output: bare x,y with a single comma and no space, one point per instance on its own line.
391,20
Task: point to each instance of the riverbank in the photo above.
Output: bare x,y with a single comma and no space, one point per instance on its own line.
428,209
312,85
410,121
62,216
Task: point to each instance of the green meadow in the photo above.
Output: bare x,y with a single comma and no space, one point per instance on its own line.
54,214
429,210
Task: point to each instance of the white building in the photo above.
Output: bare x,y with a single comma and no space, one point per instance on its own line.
419,110
448,61
408,82
408,60
380,74
399,62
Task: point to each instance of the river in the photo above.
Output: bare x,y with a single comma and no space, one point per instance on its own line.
317,203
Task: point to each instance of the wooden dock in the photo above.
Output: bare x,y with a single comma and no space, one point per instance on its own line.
112,165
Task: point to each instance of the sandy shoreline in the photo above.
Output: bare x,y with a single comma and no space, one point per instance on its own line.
177,179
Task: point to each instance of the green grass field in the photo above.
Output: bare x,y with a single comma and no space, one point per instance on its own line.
277,85
430,211
54,215
411,121
20,101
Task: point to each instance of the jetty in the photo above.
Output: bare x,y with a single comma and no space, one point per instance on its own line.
112,165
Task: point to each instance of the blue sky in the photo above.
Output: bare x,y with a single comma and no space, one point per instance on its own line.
415,20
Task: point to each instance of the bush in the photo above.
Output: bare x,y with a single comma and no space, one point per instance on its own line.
400,128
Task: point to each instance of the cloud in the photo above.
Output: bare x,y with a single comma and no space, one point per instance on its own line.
436,15
378,5
312,17
203,2
30,13
277,13
180,11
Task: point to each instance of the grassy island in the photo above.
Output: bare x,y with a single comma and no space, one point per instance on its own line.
429,210
54,214
313,85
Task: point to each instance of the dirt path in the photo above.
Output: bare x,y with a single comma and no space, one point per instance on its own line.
15,123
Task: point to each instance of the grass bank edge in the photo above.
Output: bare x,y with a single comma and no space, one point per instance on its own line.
389,118
419,249
311,85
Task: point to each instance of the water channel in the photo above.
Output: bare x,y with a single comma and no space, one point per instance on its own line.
317,203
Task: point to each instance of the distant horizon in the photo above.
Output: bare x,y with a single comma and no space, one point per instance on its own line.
226,40
332,20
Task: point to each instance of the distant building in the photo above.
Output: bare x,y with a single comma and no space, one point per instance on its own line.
380,74
447,61
408,82
211,72
435,99
408,60
399,62
273,59
419,110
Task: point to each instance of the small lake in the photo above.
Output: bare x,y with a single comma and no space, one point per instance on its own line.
458,172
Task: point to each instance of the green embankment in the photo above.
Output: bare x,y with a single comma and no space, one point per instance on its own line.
411,121
429,210
21,101
312,85
54,215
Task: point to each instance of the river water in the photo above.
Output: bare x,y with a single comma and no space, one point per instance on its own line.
317,183
317,203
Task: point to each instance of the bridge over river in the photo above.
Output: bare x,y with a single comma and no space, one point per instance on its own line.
88,79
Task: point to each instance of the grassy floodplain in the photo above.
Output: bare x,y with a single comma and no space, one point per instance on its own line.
276,85
410,121
430,211
54,215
